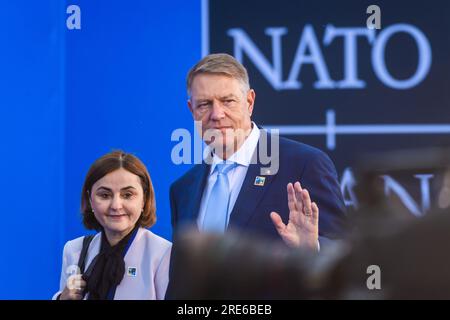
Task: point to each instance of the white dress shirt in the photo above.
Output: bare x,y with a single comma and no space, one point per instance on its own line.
235,176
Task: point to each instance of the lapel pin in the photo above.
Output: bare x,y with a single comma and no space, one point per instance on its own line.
259,181
131,272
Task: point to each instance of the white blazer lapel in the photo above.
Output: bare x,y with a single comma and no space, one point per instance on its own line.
94,249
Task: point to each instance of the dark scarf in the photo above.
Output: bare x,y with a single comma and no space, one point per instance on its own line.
107,269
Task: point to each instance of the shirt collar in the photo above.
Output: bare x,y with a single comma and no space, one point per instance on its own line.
243,155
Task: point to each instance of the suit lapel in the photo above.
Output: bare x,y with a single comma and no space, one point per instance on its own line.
251,192
194,194
249,196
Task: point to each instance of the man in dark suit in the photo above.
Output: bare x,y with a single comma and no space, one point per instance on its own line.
248,196
233,189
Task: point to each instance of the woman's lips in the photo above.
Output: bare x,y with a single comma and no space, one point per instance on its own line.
116,216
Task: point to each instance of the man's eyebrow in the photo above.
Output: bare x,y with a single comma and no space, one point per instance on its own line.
201,99
228,96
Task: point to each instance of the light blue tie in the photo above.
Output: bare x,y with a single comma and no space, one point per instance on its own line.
217,209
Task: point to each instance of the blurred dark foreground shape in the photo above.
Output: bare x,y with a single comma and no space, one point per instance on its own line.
412,253
414,264
411,248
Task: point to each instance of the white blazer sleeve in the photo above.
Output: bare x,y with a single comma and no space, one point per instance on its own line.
162,275
63,278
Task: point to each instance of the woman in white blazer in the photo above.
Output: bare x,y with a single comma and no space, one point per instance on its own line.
124,260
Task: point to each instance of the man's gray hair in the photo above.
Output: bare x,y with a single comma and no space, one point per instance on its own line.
219,63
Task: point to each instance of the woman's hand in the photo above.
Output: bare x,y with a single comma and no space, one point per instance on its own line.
74,288
302,229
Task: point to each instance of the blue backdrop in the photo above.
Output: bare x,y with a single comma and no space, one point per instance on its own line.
69,96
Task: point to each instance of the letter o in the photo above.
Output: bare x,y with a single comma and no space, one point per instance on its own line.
378,58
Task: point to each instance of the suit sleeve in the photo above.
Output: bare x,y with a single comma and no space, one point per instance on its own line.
173,207
320,178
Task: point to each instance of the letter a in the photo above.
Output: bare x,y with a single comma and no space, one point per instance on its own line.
374,21
74,20
374,281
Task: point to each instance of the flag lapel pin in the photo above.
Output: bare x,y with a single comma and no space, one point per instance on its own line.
131,272
259,181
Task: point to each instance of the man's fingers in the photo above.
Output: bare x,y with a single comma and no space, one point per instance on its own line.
315,213
298,196
277,221
291,197
307,210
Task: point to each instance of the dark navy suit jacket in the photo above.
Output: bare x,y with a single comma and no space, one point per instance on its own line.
251,212
250,215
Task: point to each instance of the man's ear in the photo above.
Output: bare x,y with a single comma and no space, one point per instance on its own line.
251,95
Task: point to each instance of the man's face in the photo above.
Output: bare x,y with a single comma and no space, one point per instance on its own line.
224,110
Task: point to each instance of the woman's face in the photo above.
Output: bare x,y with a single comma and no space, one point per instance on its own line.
117,200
